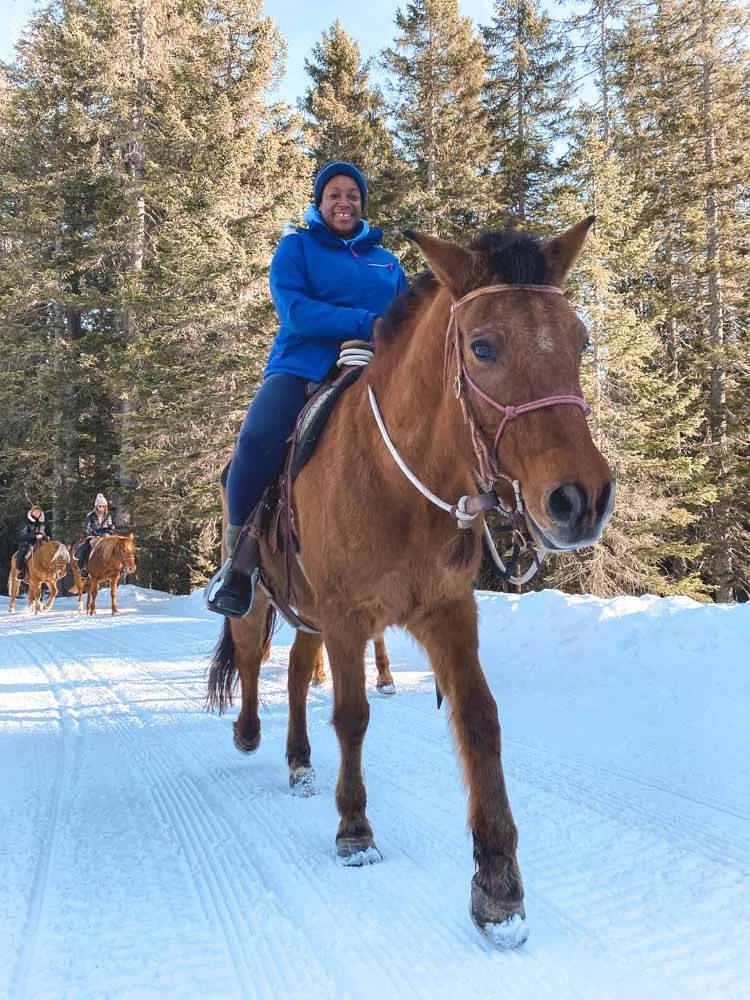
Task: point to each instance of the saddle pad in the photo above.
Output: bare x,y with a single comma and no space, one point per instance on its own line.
315,416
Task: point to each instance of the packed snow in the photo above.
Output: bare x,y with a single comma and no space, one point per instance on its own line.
142,856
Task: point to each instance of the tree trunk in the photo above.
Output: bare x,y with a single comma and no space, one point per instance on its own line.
721,558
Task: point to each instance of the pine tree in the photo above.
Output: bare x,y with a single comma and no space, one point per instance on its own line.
438,66
527,97
684,100
346,120
57,196
638,416
145,179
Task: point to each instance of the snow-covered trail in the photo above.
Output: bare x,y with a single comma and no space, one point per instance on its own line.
142,855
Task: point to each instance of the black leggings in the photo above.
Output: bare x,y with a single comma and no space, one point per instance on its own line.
23,548
83,553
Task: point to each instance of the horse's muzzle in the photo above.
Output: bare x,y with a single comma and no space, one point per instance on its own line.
575,518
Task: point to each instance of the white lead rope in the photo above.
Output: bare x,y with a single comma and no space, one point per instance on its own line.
457,509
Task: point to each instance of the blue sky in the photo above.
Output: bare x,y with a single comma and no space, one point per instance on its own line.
302,22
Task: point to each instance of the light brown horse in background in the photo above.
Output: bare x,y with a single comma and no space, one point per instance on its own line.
109,557
476,372
47,563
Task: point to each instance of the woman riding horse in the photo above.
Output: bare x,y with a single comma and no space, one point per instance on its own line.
330,282
34,530
472,403
98,524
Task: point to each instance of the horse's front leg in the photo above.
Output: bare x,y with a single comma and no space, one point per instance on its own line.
91,600
35,595
449,635
302,662
113,585
52,594
346,654
249,637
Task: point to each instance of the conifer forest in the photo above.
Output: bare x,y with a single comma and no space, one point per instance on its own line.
147,171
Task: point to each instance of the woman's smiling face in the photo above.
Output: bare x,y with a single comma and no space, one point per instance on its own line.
341,205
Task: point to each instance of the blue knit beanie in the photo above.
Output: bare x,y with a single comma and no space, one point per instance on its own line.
330,170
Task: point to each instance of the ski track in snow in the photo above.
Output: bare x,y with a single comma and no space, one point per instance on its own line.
152,859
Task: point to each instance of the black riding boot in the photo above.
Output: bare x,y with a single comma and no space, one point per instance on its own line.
238,577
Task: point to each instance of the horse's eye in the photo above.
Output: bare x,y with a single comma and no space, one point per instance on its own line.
484,350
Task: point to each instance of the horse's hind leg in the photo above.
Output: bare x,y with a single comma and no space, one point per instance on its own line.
319,670
346,654
449,635
384,683
35,596
52,594
303,659
13,586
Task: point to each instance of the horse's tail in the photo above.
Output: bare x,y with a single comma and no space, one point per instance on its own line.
222,674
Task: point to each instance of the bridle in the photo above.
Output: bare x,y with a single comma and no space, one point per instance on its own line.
486,456
467,508
127,558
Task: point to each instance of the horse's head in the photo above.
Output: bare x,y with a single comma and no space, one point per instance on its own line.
513,357
126,550
53,559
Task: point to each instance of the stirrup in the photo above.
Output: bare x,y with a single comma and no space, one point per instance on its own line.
215,583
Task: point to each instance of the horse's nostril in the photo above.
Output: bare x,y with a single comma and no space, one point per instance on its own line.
606,499
566,505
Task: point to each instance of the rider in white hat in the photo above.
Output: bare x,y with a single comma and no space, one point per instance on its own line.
98,523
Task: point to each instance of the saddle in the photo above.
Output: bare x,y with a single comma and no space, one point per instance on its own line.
273,518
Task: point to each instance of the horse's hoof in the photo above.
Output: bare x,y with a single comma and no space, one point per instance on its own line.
354,852
244,745
302,782
503,926
317,682
385,690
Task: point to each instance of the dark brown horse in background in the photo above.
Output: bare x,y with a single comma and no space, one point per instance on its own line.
476,373
47,563
110,556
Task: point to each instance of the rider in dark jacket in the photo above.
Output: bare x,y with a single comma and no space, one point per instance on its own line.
98,523
33,530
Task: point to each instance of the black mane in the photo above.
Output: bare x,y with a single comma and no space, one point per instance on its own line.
423,286
512,259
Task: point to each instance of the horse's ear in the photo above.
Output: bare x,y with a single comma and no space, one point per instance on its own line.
452,265
561,252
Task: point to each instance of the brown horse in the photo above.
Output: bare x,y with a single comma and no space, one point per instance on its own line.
47,563
384,684
109,557
475,377
77,585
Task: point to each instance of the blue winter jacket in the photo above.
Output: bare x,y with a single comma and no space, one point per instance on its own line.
326,290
